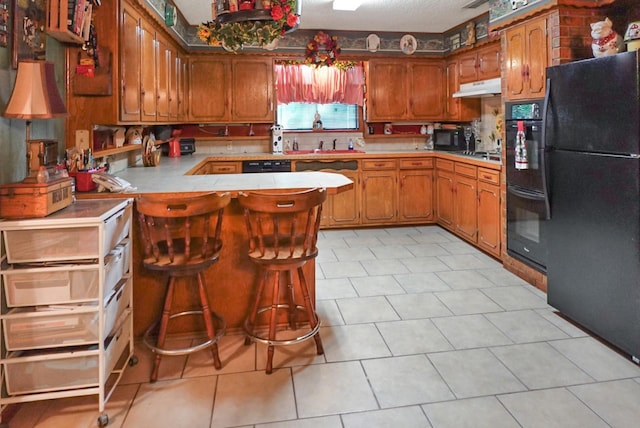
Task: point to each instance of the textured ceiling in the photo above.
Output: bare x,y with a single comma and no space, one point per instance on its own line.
417,16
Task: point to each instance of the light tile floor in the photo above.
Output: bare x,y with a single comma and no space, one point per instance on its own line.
420,330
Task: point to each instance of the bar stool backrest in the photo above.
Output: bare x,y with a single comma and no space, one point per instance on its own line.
283,226
181,231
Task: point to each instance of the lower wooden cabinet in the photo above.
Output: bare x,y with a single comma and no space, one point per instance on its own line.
415,190
444,193
379,190
343,209
489,211
465,207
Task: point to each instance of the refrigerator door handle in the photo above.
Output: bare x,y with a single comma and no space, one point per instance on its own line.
545,157
525,194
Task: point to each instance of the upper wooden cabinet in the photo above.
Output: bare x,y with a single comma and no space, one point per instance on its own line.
526,59
224,90
480,64
405,90
149,71
458,109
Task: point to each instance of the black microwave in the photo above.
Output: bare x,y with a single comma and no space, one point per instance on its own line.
451,140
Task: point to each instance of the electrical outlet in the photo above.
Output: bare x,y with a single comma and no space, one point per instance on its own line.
229,146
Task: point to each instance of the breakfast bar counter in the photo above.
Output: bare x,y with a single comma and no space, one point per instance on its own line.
230,281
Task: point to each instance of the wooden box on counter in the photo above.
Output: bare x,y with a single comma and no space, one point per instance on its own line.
30,200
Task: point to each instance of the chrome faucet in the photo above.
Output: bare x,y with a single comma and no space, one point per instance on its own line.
334,143
320,145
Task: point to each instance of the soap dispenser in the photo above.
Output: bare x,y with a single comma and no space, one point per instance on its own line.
350,147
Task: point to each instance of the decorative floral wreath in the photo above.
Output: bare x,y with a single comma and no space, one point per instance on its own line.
322,50
234,35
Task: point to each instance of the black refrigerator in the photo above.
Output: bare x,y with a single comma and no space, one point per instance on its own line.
592,131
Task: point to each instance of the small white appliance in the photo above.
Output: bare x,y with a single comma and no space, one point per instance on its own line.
277,142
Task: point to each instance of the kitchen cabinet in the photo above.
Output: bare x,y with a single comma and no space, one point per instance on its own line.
444,193
458,109
225,90
489,211
526,59
67,293
480,64
224,167
130,71
408,90
342,209
379,191
415,190
465,205
148,64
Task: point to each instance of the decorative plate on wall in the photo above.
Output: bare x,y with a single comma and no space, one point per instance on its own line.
408,44
373,42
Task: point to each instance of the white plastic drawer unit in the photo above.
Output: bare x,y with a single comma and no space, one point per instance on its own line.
58,237
32,328
30,372
51,285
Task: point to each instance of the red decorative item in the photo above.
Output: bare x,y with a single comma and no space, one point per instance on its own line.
322,50
247,5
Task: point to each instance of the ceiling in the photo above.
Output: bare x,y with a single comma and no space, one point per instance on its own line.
413,16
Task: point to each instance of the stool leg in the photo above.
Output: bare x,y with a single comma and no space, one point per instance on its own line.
208,321
313,318
274,318
292,300
251,319
162,332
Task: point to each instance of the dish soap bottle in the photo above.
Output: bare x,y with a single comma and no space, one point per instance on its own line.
350,147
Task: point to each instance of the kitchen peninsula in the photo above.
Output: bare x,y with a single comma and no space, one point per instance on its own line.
230,281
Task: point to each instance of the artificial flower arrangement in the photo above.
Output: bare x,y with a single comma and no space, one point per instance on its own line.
322,50
234,35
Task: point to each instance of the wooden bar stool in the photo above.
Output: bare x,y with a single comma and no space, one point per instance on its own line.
182,239
283,231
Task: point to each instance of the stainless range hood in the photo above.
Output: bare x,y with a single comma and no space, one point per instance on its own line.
483,88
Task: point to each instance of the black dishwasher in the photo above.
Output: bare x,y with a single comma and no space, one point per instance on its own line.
258,166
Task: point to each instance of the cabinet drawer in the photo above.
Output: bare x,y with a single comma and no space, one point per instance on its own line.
116,343
489,176
66,243
416,163
223,168
444,164
466,170
49,286
114,268
27,328
115,305
28,372
378,164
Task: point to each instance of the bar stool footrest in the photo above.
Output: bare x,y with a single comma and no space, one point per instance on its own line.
221,326
308,335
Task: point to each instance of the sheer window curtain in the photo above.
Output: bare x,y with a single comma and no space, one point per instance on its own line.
321,85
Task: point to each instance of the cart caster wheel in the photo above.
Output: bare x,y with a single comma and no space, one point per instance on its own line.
103,420
133,361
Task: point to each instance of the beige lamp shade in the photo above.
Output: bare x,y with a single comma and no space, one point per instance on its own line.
35,94
632,36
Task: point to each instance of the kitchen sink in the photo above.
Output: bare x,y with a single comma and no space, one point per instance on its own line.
321,152
494,156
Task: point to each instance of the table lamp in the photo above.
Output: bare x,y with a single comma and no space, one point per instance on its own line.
35,96
632,36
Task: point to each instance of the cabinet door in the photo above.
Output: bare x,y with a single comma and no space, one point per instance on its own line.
536,43
163,75
208,90
415,195
465,207
515,63
459,109
183,88
386,91
343,209
174,78
444,198
252,89
148,55
489,62
468,67
130,69
489,218
379,189
426,90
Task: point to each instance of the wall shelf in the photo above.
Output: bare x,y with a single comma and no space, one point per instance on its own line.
116,150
